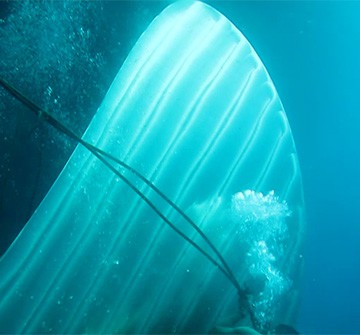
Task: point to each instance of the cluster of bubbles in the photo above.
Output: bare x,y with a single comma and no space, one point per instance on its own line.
261,220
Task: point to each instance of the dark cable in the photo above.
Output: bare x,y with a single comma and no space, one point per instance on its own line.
100,154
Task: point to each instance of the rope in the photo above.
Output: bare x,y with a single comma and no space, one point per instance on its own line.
104,157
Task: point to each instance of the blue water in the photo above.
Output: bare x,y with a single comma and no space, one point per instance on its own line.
312,52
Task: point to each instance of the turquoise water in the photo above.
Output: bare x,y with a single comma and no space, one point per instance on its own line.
311,50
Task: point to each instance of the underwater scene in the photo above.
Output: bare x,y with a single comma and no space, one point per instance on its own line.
179,167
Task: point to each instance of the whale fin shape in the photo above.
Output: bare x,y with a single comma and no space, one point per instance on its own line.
195,111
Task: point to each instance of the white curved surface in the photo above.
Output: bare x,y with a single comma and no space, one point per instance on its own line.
195,111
